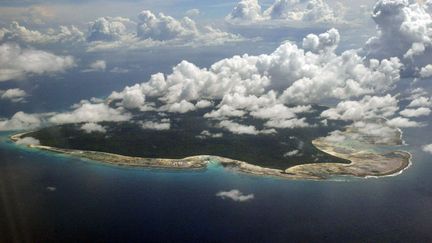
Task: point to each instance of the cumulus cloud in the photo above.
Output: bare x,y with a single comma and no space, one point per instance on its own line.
19,33
131,97
28,141
403,122
206,134
324,42
21,121
108,29
427,148
366,108
304,76
89,112
404,31
164,124
421,111
246,10
308,11
235,195
154,30
369,131
14,95
179,107
19,63
267,86
238,128
92,127
426,71
420,101
98,65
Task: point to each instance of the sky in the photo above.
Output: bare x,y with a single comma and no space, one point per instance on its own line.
93,61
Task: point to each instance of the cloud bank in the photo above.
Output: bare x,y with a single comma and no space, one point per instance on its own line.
19,63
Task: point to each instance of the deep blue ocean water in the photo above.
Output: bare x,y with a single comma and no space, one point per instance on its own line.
50,198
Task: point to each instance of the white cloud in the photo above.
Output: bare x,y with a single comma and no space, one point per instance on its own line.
88,112
21,121
164,124
366,108
154,30
287,123
119,70
324,42
246,10
179,107
292,153
420,101
238,128
108,29
421,111
336,137
426,71
404,31
295,11
224,111
14,95
305,76
203,104
19,63
403,122
206,134
130,98
92,127
427,148
235,195
96,66
370,131
19,33
265,86
193,12
28,141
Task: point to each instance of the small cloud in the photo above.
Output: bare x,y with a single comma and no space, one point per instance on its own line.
93,127
193,12
206,134
235,195
427,148
98,65
14,95
119,70
28,141
292,153
164,124
51,188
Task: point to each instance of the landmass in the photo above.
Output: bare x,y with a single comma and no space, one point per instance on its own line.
371,154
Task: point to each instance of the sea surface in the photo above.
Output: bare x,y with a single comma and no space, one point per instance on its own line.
47,197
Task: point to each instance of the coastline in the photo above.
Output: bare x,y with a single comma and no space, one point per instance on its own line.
362,164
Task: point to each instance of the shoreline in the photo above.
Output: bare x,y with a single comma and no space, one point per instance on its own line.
362,164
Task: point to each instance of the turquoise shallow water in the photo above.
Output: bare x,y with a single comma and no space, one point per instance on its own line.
49,197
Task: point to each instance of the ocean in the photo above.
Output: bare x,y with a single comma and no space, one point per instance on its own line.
48,197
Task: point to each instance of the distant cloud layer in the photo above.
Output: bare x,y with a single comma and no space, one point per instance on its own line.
19,63
310,11
153,30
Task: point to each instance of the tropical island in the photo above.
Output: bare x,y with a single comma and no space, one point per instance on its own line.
316,153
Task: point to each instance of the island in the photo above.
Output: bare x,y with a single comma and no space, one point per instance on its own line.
355,150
